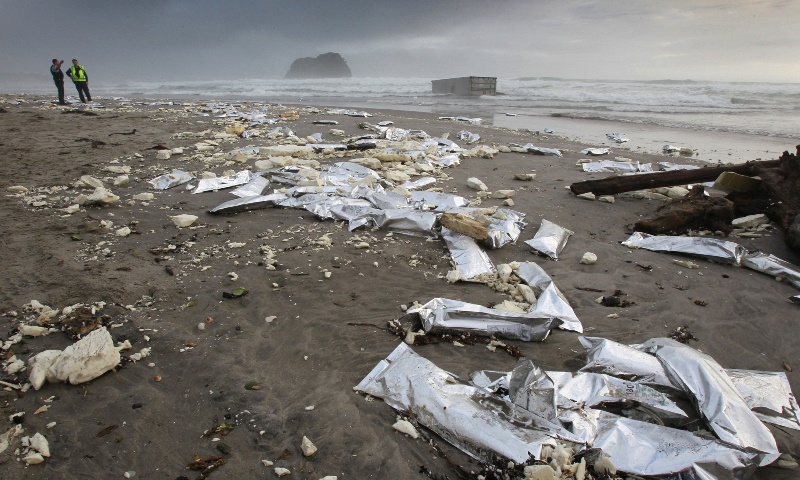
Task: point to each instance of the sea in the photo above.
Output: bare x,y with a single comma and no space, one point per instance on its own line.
718,121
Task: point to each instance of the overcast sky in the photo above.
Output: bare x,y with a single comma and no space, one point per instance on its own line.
156,40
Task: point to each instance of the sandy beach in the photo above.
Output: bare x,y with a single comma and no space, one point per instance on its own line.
313,323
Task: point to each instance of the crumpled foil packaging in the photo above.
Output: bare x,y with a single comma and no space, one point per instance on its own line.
773,266
253,188
443,315
219,183
705,382
249,203
473,420
612,358
169,180
469,259
710,248
550,239
550,302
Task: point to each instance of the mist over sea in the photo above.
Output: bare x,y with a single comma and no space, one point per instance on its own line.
759,117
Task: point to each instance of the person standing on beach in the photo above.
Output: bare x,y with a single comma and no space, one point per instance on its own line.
58,78
78,75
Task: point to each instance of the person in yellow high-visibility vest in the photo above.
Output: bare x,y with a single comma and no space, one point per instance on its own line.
78,75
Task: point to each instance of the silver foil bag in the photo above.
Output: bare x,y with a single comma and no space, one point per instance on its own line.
253,188
550,239
611,166
647,449
468,258
769,396
592,389
711,248
249,203
774,266
443,315
169,180
717,399
612,358
530,148
219,183
421,182
531,388
339,208
436,201
550,302
386,200
473,420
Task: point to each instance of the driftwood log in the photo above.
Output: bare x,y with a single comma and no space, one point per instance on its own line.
630,183
695,211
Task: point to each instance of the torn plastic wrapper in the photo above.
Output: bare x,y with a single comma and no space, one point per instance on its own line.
773,266
531,148
437,201
443,315
531,388
769,396
593,389
704,381
253,188
450,160
249,203
643,448
469,259
550,302
506,229
550,239
613,358
169,180
473,420
710,248
219,183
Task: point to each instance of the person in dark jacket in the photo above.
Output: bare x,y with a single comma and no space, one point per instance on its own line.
78,75
58,78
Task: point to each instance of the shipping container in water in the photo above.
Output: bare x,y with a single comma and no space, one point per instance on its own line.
465,86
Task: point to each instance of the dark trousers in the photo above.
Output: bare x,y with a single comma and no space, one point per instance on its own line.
60,87
83,89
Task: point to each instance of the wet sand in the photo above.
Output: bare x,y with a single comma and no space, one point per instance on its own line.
327,333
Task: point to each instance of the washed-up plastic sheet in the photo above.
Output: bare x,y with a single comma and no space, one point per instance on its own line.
612,358
169,180
593,389
710,248
249,203
531,148
611,166
437,201
443,315
219,183
550,302
643,448
596,151
253,188
468,417
670,167
418,183
469,259
769,396
773,266
550,239
704,381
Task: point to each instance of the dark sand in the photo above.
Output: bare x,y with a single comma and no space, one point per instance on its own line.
310,355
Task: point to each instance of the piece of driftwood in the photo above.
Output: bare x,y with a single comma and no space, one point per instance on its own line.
695,211
629,183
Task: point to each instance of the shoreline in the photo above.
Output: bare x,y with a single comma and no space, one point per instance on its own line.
307,338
